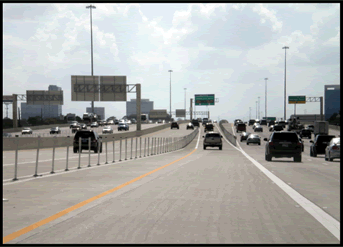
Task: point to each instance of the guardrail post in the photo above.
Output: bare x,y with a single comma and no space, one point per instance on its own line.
152,146
80,150
67,158
120,150
99,148
136,148
158,145
16,161
37,157
53,157
148,148
106,150
113,151
140,147
125,148
144,145
131,148
89,152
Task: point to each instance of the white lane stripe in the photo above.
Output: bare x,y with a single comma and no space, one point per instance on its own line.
196,147
330,223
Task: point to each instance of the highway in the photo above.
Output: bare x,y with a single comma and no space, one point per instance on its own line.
230,196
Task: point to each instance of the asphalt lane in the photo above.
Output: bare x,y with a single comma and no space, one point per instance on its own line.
27,158
209,196
316,179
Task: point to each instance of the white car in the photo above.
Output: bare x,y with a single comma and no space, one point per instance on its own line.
107,130
128,121
94,125
214,121
26,130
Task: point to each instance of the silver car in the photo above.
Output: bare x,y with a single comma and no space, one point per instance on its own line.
107,130
252,138
332,151
26,130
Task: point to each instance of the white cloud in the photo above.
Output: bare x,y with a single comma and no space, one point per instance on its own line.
266,13
334,41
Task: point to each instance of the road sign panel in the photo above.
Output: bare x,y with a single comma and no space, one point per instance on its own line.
180,113
155,114
297,99
204,99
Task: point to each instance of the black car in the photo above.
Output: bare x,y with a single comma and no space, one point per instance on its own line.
116,121
96,141
271,122
277,128
174,125
263,122
195,122
283,144
75,128
55,130
190,126
251,122
244,136
83,126
305,133
319,144
208,127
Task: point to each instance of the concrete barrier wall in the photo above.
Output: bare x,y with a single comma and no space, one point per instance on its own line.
224,126
10,143
35,128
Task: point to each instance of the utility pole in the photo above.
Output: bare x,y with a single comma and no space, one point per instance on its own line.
91,7
265,101
185,103
256,110
249,113
170,95
259,117
284,115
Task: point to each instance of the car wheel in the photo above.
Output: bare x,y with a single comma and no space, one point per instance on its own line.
247,143
330,159
204,147
259,143
297,158
326,157
220,147
75,150
269,157
314,153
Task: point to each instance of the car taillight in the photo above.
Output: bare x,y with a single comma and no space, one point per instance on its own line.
271,143
335,147
94,140
299,144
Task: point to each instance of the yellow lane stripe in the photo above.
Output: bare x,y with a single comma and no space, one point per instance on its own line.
81,204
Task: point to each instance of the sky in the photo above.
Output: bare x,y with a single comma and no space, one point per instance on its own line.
222,49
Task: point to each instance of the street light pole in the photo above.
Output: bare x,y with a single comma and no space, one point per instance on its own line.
249,113
256,110
259,117
265,101
284,115
91,7
170,95
185,102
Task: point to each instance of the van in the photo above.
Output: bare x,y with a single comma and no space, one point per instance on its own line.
240,127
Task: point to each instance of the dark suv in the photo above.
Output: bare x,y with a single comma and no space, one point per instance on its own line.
319,144
174,125
96,141
251,122
305,133
195,122
208,127
213,139
283,144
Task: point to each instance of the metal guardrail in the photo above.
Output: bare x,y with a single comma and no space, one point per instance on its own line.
158,145
227,134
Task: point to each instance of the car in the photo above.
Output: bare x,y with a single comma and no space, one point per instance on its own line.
75,128
73,123
107,130
195,122
283,144
255,125
96,141
174,125
94,125
133,121
116,121
257,121
251,122
319,144
83,126
99,122
237,121
253,138
244,136
204,121
208,127
271,128
277,128
128,122
6,135
305,133
240,126
213,139
263,122
258,128
190,126
159,121
271,122
55,130
123,126
332,151
283,123
214,121
110,122
27,131
310,127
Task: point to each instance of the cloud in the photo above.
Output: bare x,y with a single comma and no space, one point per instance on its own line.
268,14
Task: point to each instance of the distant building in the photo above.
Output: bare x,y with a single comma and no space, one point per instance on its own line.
47,111
100,111
331,100
146,106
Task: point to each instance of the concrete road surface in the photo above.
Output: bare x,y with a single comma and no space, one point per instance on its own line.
187,196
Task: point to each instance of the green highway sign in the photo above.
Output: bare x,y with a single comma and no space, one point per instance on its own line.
204,99
270,118
296,99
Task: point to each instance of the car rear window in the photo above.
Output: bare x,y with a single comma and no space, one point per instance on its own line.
290,137
337,140
84,135
213,135
324,138
241,125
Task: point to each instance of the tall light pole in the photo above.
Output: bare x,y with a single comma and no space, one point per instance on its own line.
265,101
170,94
185,102
284,114
91,7
249,113
259,117
256,110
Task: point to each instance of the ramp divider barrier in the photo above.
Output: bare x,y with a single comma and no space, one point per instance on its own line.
89,151
227,134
